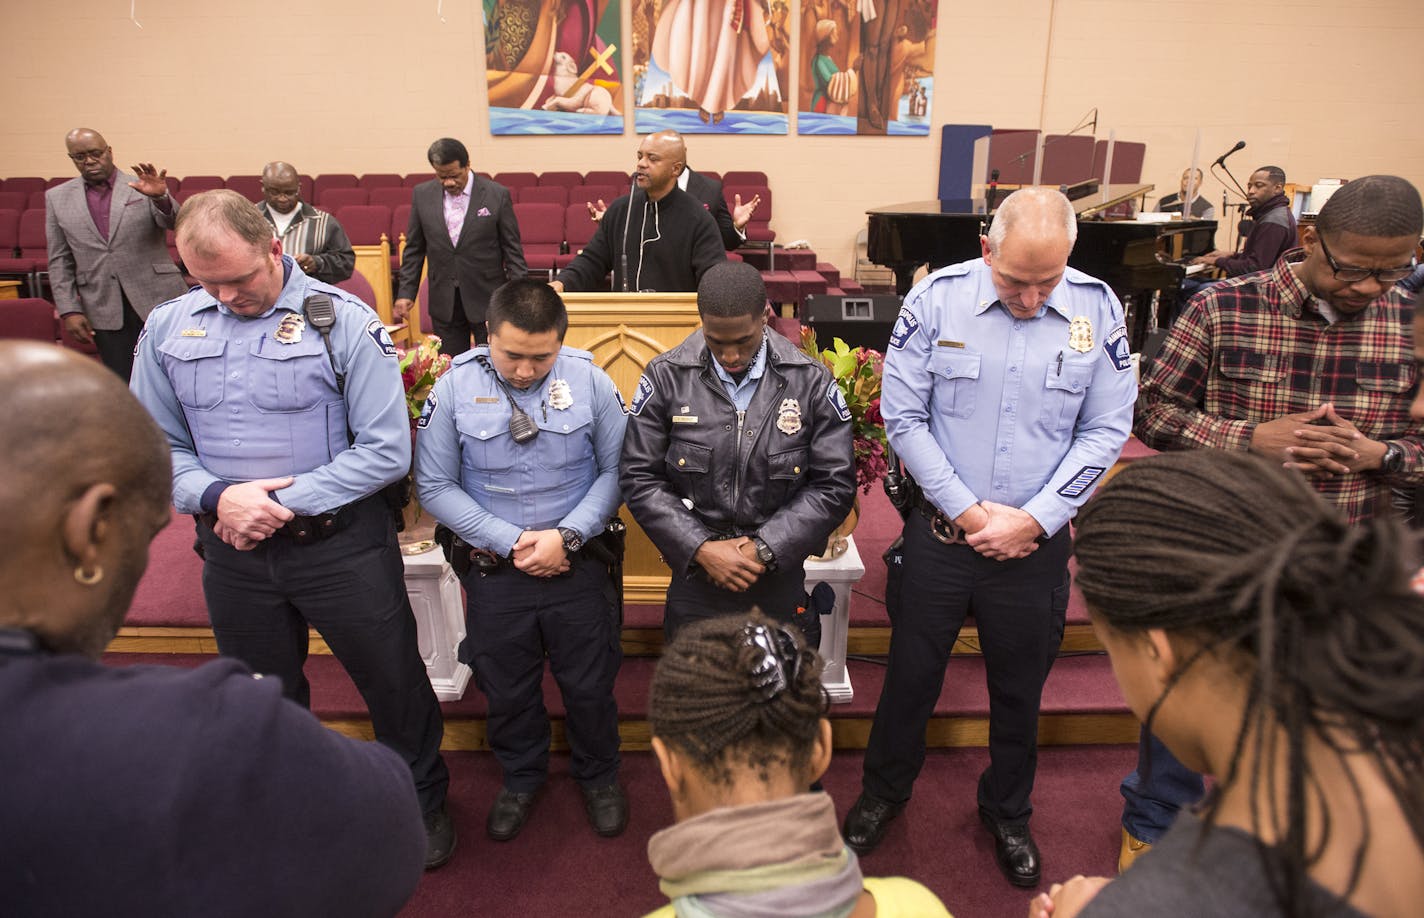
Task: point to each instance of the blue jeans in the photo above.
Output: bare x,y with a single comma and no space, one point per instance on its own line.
1157,790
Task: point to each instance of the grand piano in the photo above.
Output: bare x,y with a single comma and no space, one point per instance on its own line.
1138,260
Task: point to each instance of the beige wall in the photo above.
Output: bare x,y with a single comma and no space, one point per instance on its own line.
209,87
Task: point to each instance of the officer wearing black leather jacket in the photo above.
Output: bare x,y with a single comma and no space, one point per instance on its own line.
737,459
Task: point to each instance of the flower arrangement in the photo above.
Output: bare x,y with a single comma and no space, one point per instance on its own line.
857,373
420,367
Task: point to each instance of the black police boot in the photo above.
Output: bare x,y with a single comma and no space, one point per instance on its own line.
867,821
607,809
1015,852
507,814
439,838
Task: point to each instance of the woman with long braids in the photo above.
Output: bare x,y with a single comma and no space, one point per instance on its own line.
739,729
1271,645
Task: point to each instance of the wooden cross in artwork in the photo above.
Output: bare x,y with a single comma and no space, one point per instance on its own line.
600,62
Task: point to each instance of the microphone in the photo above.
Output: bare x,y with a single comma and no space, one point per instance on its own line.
993,191
627,218
1240,145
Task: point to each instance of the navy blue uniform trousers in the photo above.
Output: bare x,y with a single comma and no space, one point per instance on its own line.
513,621
350,587
693,598
1019,607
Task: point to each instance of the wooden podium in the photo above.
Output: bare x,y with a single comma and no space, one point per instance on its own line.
624,331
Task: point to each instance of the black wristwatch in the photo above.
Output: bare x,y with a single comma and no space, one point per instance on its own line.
764,553
1393,459
572,540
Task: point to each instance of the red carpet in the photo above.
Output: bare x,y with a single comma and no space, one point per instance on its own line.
558,866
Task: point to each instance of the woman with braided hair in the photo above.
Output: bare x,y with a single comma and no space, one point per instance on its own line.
1272,645
739,729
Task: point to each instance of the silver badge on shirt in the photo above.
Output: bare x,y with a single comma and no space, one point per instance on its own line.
1080,334
289,330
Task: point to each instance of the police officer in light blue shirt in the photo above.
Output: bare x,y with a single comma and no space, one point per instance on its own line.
517,453
1007,392
284,430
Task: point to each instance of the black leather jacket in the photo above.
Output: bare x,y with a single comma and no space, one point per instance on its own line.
751,477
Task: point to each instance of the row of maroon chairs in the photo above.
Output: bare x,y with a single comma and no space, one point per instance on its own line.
36,319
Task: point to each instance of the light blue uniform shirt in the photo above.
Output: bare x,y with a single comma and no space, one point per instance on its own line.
741,392
237,403
1024,412
475,479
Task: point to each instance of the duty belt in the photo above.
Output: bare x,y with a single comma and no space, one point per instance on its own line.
303,530
942,527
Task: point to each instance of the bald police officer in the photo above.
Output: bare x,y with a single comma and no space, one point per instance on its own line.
738,460
1008,393
282,403
517,453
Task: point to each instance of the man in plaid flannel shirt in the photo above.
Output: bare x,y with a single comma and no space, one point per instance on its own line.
1310,363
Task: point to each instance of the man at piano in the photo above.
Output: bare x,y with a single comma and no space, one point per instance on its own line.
1008,393
1310,363
1201,207
1272,231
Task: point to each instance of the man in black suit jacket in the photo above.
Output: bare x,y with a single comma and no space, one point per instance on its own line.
484,252
731,223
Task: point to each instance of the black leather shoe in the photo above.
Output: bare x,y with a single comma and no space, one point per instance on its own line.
607,809
867,821
1015,853
439,838
507,814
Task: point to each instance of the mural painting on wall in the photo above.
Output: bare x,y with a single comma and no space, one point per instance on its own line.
711,66
866,67
552,66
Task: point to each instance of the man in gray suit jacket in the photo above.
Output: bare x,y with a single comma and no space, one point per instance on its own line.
464,226
108,261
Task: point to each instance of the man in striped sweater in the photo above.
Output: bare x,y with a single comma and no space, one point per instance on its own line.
311,236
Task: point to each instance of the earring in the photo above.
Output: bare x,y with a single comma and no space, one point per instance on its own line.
88,578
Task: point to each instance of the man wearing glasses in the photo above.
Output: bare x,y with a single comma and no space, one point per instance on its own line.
1311,364
312,237
108,261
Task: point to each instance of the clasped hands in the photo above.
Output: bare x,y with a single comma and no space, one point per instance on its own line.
247,514
1317,443
730,563
998,531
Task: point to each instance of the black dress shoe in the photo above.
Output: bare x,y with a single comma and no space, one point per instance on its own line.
607,809
1015,853
867,821
507,814
439,838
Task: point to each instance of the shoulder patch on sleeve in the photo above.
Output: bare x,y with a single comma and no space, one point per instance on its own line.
640,398
906,325
377,331
1081,481
837,400
1116,347
427,412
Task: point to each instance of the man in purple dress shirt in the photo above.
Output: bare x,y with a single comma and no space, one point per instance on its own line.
108,258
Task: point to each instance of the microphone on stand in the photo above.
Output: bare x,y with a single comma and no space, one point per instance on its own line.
627,218
1221,160
993,191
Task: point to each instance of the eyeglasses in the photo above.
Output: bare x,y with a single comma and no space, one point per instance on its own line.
780,662
1351,274
84,157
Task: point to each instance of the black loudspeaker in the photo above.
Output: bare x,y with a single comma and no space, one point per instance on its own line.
860,321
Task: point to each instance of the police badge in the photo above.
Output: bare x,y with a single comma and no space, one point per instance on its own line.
289,330
560,397
788,417
1080,334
